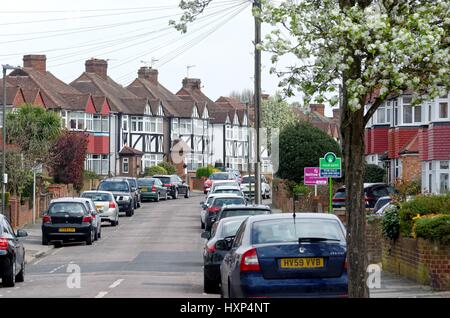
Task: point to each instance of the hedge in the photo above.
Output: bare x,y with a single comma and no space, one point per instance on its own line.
170,168
206,171
422,205
154,170
435,228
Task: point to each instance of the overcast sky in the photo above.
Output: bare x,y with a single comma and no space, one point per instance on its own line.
129,34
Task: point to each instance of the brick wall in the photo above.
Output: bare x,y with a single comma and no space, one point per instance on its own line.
412,168
373,240
426,262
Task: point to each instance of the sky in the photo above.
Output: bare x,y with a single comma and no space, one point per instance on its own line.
218,48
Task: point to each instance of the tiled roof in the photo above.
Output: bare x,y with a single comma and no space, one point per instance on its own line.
195,94
326,124
412,146
184,107
76,101
126,150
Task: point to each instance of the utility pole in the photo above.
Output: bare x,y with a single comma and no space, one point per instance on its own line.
257,6
4,142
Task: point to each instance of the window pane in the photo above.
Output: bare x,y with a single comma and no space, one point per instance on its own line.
381,115
444,183
417,114
443,110
407,114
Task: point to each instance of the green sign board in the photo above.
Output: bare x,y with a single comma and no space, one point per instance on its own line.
330,166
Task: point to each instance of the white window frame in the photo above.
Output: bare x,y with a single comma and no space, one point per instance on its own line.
125,163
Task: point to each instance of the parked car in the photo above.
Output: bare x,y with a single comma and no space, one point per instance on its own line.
205,205
276,255
229,189
223,183
217,176
134,189
12,254
124,195
212,258
236,173
372,192
96,220
216,205
68,220
152,189
381,202
175,185
240,210
248,186
107,207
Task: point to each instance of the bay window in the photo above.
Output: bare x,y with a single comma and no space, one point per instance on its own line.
101,123
443,110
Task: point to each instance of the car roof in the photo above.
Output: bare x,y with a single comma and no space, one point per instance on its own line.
97,191
223,181
228,187
368,185
164,175
247,207
70,199
233,218
302,215
227,195
116,179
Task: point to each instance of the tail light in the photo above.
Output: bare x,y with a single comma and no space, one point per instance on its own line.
211,249
346,264
46,219
3,244
249,261
168,185
112,205
214,209
87,219
153,188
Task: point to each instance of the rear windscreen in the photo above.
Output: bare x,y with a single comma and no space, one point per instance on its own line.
228,201
114,186
67,208
229,213
230,228
219,176
164,180
97,196
340,194
146,182
228,191
278,231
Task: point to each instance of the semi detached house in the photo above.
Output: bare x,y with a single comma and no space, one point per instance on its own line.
135,127
412,142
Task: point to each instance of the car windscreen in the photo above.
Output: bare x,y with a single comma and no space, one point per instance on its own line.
230,228
132,182
226,184
97,196
72,208
164,180
380,203
114,186
340,194
248,180
219,176
228,201
284,230
146,182
236,191
238,212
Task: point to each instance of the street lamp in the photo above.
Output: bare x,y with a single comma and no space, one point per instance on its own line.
4,177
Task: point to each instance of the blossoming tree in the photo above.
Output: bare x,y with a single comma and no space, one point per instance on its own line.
367,49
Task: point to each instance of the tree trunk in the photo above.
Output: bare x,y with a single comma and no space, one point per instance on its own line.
352,129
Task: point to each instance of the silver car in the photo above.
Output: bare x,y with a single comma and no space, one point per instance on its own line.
107,207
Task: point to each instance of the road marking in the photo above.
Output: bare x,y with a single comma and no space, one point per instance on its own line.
38,261
101,294
58,250
116,283
55,269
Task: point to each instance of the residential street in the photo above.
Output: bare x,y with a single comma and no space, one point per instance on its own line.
155,253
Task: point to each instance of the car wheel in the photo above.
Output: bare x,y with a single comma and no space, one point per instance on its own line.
20,277
44,240
130,211
175,196
90,239
9,274
187,194
99,236
209,286
96,235
202,225
113,223
139,203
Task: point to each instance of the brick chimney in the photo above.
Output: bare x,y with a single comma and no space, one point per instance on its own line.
99,67
149,74
337,114
191,83
36,62
318,108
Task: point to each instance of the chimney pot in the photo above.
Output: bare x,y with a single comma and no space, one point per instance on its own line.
97,66
36,62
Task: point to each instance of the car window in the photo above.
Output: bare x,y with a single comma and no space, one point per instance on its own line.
7,229
66,207
114,186
158,182
230,228
236,191
240,235
380,192
164,180
228,201
248,180
219,176
132,182
238,212
146,182
284,230
97,196
340,194
390,189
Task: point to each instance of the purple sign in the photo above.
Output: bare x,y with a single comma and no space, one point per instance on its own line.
312,176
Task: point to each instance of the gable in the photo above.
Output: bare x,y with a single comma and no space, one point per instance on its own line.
106,109
194,112
206,113
148,110
90,108
160,110
39,100
236,119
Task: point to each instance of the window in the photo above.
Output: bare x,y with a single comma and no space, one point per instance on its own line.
137,124
98,164
429,112
89,122
417,114
101,123
407,110
125,122
443,110
186,126
151,160
125,165
63,119
395,113
175,126
198,127
159,125
77,121
444,185
229,132
381,115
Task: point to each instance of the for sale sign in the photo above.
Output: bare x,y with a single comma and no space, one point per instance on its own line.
312,176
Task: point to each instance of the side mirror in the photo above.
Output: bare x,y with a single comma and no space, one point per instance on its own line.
22,233
206,235
221,245
202,203
213,220
204,206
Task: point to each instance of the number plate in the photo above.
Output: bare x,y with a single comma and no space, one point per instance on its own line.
67,230
305,262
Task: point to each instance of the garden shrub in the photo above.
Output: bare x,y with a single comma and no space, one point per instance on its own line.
170,168
422,205
434,228
206,171
390,223
151,171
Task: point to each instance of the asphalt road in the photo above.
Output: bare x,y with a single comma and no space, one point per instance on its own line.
155,253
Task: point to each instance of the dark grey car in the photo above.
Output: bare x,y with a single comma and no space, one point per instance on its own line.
122,191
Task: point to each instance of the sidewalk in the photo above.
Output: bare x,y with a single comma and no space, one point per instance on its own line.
33,243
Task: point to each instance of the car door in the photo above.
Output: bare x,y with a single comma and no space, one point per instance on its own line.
229,273
16,244
160,188
182,185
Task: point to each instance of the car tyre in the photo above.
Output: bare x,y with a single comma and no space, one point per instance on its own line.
175,195
187,194
20,277
90,239
8,278
157,197
44,240
99,236
209,286
130,211
113,223
202,225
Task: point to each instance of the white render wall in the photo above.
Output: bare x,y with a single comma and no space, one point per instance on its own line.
217,140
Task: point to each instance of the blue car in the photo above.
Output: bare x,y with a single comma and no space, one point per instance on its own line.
279,255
